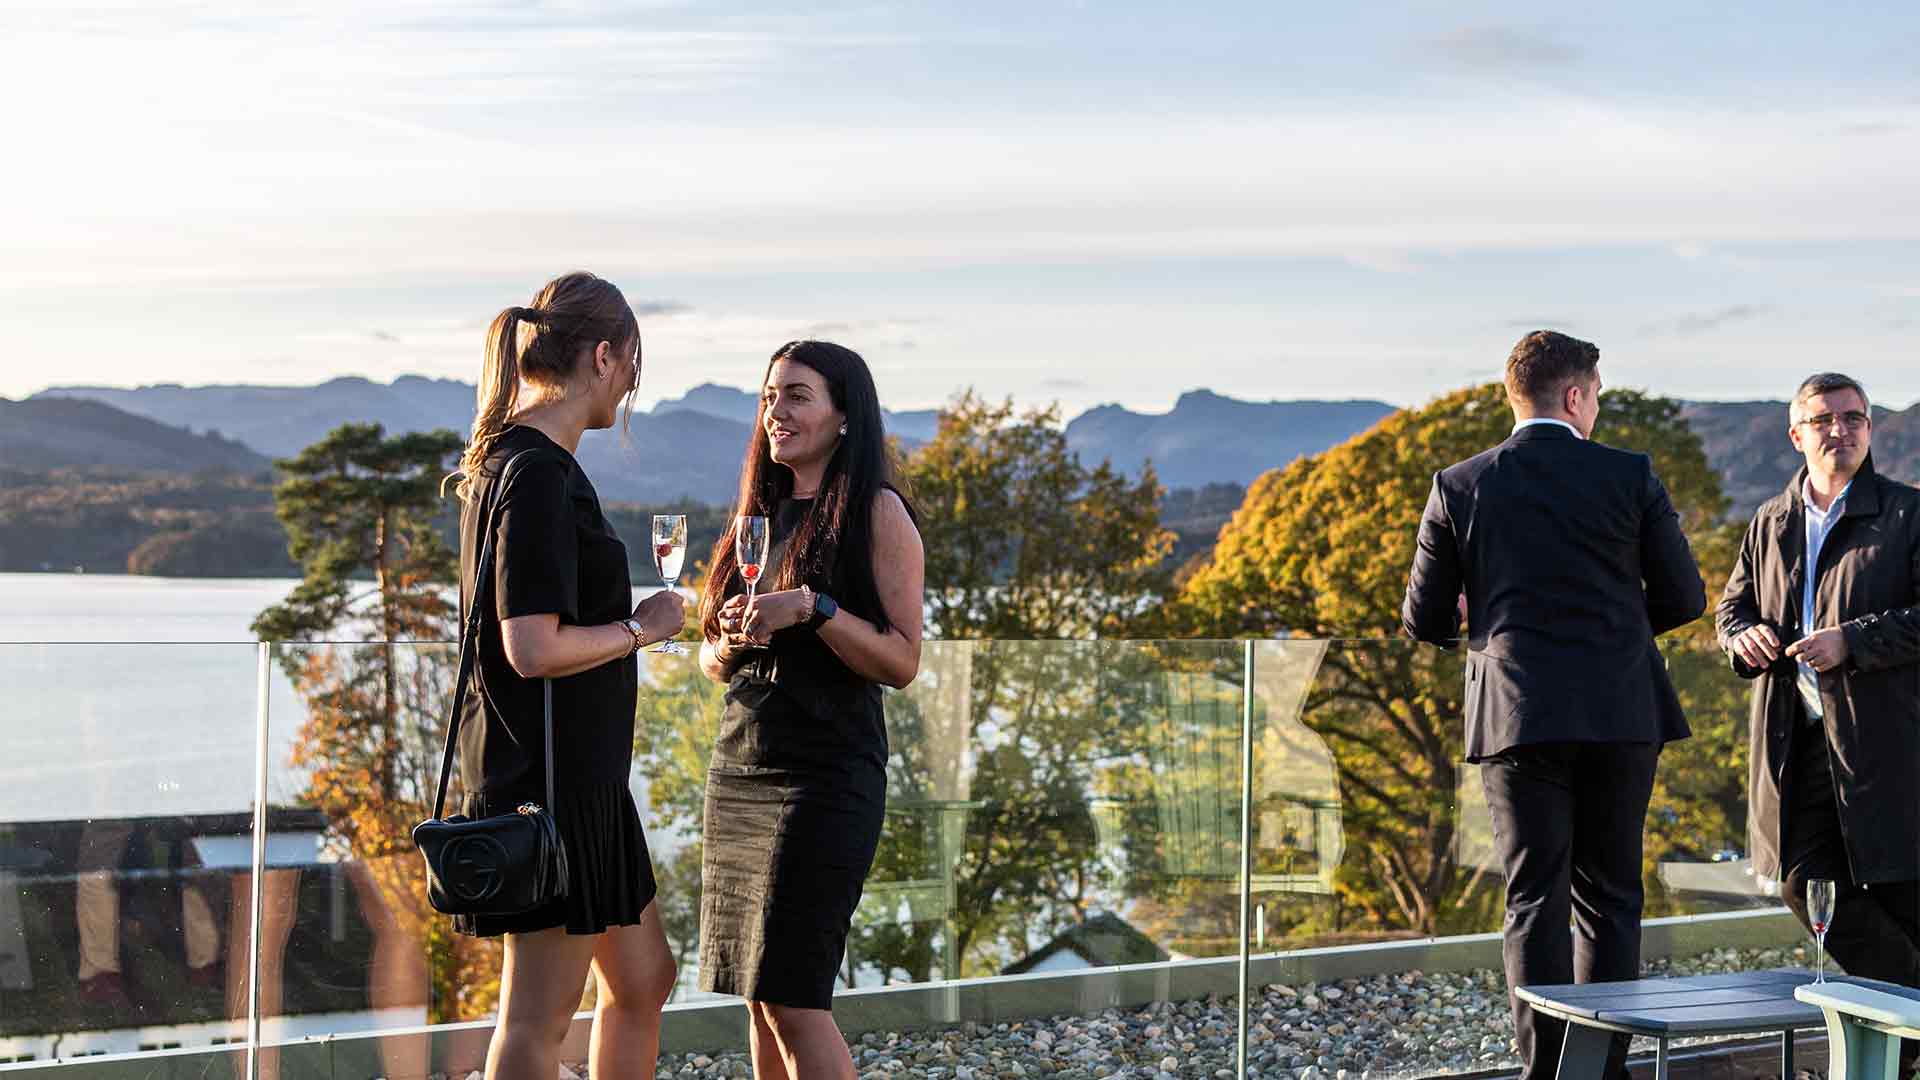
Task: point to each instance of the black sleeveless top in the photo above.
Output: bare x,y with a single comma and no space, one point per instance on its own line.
793,704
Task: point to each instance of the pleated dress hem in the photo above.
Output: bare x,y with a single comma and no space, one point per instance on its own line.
610,877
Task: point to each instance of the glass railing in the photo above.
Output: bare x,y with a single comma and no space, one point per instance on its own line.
205,847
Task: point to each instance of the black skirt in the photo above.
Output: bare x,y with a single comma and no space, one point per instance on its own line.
786,855
609,874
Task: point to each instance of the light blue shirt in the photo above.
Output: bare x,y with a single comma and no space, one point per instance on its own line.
1819,524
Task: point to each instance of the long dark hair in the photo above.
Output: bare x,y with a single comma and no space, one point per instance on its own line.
832,548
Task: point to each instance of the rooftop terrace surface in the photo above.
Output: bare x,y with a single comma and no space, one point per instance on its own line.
1412,1024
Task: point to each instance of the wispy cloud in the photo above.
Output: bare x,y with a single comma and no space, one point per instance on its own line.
1704,321
1498,48
660,308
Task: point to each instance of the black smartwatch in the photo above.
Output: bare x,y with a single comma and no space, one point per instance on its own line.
823,609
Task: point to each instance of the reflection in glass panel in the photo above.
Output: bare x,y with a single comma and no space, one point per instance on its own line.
1052,807
677,717
1385,716
1696,846
348,941
1297,831
125,832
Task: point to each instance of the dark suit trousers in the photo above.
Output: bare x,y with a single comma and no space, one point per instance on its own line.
1875,930
1568,821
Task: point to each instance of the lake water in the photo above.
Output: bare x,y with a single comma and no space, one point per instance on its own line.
125,608
124,696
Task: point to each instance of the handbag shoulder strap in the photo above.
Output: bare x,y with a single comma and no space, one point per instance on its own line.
470,636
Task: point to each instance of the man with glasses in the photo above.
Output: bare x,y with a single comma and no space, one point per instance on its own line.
1823,613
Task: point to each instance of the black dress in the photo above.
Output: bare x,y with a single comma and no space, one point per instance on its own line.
554,552
796,790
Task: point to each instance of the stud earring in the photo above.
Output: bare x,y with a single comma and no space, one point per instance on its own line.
843,429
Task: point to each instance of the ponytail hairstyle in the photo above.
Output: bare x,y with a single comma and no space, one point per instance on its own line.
832,547
541,344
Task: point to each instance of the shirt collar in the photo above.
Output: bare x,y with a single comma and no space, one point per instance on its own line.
1838,504
1549,420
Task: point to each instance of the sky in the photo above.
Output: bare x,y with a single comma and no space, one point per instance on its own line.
1073,202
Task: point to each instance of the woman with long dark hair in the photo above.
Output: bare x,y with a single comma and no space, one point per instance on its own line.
797,783
559,610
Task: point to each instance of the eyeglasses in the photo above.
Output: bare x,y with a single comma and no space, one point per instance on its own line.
1853,420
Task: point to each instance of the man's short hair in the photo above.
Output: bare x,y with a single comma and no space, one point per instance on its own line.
1544,363
1826,382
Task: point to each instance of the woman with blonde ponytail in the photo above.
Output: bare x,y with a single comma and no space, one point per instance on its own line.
559,611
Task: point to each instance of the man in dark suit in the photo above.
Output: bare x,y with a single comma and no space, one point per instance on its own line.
1571,558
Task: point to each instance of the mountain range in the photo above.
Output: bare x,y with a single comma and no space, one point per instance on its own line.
76,433
689,447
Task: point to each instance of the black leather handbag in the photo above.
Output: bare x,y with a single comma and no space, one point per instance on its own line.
505,864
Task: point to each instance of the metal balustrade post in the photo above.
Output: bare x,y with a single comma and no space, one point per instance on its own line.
1246,854
258,864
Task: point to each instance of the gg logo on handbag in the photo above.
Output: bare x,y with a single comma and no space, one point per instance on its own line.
475,866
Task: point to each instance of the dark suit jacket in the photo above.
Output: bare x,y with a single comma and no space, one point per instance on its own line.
1572,559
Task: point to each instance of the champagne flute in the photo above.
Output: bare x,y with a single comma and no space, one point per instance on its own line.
669,551
750,549
1820,914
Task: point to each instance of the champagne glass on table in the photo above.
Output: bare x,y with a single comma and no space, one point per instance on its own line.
669,551
1820,914
750,548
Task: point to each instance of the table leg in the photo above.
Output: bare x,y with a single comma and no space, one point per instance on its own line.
1660,1060
1786,1054
1584,1056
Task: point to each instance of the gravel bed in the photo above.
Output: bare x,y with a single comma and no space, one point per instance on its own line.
1406,1025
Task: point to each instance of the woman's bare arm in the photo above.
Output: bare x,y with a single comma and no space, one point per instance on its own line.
899,570
540,647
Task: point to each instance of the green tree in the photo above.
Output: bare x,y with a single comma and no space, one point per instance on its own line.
358,504
1025,541
1321,548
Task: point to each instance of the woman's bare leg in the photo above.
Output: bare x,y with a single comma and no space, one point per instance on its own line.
540,985
767,1062
280,895
634,969
811,1045
398,976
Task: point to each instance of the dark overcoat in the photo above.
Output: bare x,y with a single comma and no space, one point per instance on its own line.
1868,584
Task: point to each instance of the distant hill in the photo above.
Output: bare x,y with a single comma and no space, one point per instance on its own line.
47,433
205,524
690,447
1208,438
280,421
686,448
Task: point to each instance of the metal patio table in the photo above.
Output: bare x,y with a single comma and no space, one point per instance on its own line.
1684,1006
